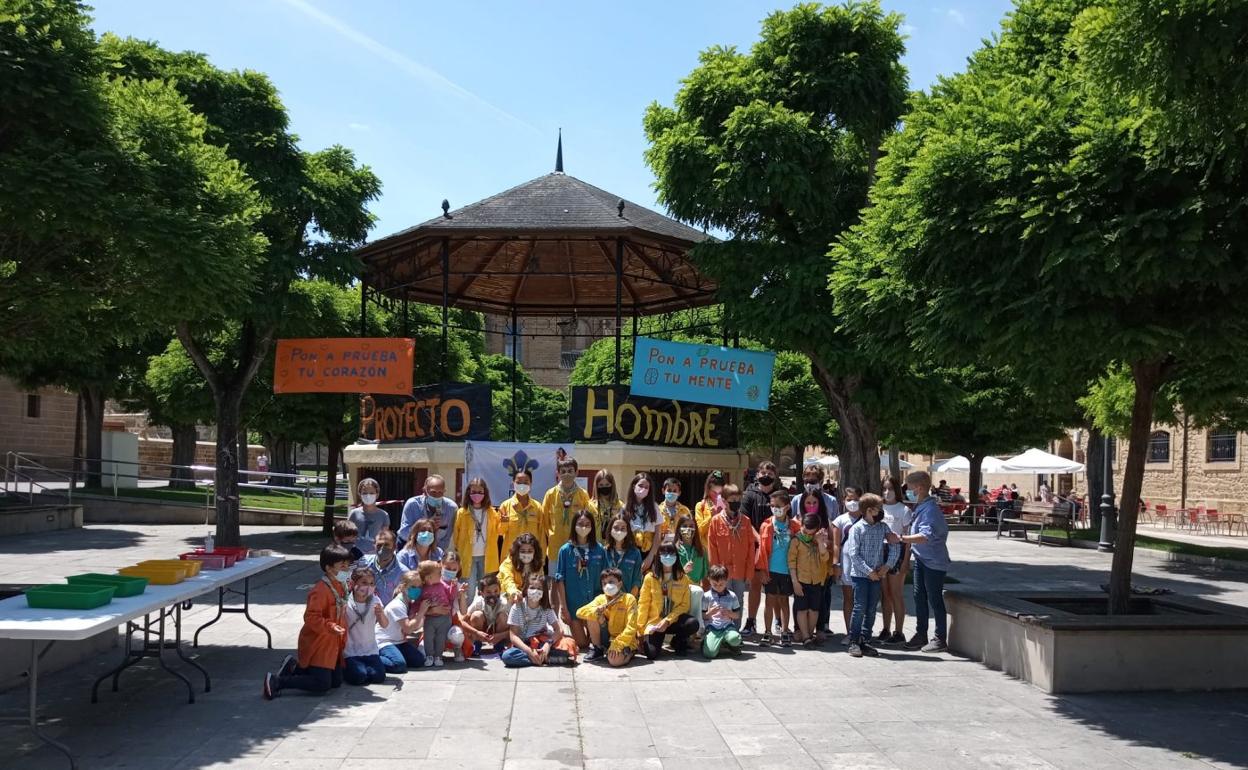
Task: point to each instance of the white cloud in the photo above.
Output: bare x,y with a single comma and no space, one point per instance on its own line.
359,127
414,69
956,16
908,30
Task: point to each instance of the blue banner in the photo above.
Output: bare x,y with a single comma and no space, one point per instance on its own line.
703,374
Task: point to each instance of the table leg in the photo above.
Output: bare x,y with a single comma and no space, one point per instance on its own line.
33,688
127,659
220,611
160,658
245,611
177,646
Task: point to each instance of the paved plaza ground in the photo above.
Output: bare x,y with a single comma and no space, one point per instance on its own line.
768,708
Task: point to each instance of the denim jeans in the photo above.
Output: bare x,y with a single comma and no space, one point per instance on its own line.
866,597
397,658
364,669
929,591
514,657
311,679
477,571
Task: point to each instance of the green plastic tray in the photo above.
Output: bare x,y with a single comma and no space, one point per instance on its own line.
66,597
125,584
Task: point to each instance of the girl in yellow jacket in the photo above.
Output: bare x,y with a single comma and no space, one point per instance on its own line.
664,605
520,513
616,608
526,558
476,533
712,502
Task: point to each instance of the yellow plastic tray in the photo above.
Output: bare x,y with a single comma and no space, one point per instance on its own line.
154,575
192,568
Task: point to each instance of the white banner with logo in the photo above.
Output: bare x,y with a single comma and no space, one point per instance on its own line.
498,461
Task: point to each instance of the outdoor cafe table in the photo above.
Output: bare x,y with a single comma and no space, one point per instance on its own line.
45,627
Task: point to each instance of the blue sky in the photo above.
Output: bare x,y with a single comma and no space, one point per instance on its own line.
460,100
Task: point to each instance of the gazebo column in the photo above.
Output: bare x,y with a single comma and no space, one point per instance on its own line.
446,299
619,304
363,309
515,364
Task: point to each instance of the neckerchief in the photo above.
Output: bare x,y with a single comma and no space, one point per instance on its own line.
359,616
566,499
340,601
476,522
616,560
582,559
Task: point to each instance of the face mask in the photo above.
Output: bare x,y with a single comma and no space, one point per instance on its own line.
583,530
342,576
385,552
568,479
890,497
765,481
611,589
476,497
348,544
368,499
522,489
604,491
686,533
804,537
734,506
525,558
641,491
668,559
424,538
778,512
413,592
491,600
851,506
449,574
618,534
365,591
811,487
671,497
716,492
433,502
910,494
535,594
810,507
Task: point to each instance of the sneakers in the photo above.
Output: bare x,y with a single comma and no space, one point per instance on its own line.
270,686
288,666
884,636
786,639
596,653
748,630
936,645
437,662
459,655
845,641
868,650
916,642
855,650
765,640
897,638
429,662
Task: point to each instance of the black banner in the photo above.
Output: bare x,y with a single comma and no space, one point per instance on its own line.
609,413
450,411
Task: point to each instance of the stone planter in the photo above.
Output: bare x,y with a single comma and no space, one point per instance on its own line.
1064,642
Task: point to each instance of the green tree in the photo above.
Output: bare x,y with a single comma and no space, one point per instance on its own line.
174,394
541,412
1062,226
314,214
777,147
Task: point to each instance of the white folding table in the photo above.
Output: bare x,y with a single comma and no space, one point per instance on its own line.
47,627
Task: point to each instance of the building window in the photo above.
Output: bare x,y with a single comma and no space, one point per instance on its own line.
572,341
33,405
1159,447
1222,445
512,347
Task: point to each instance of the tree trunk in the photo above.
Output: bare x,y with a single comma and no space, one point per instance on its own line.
280,456
1148,377
894,463
975,479
93,399
229,406
1095,467
334,439
859,451
183,453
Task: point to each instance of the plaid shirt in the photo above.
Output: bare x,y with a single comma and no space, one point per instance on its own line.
866,549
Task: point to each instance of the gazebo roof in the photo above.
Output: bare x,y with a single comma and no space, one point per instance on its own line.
545,247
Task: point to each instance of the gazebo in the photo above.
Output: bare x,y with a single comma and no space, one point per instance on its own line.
552,246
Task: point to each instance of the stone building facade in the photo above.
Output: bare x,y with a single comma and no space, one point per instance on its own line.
548,346
1189,467
40,421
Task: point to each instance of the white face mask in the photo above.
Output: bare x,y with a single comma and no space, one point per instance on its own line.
525,558
778,512
583,530
611,589
368,498
535,594
618,535
641,491
851,506
522,489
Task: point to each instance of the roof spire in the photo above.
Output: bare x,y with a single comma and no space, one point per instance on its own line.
559,154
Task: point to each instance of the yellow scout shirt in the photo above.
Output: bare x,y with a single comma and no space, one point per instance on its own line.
621,619
602,514
515,519
560,516
669,518
702,513
661,600
465,533
806,564
511,578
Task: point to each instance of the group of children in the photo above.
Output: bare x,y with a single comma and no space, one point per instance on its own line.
592,571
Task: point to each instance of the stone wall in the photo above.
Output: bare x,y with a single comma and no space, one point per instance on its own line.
160,450
550,348
1222,485
50,433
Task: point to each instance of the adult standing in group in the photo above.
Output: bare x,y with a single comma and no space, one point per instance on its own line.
928,540
368,518
812,481
432,505
756,506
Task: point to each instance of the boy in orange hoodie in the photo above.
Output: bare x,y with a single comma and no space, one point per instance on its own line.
323,637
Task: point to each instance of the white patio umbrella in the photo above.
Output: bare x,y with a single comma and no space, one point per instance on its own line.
961,464
905,466
829,461
1038,461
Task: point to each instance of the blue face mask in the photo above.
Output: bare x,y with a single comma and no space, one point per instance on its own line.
342,576
671,497
910,494
413,593
424,538
668,559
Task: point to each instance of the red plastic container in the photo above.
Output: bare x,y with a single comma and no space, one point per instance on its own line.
239,552
210,560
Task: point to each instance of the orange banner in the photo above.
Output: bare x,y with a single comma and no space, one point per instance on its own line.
344,365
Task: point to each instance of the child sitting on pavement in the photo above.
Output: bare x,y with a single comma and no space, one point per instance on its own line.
319,663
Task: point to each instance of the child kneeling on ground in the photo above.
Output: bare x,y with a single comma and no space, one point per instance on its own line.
536,636
612,620
394,640
319,664
364,613
721,611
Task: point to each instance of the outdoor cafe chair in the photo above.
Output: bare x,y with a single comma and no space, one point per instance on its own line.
1163,514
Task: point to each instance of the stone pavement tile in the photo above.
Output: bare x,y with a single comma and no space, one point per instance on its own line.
543,738
647,763
831,736
699,763
354,713
711,690
928,759
1013,759
597,673
612,741
642,669
400,715
665,690
318,743
681,739
740,711
1157,758
387,742
1080,757
780,762
305,763
666,712
546,674
606,702
861,760
424,764
468,743
542,764
759,740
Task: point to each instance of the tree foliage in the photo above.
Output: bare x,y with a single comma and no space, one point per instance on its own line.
777,147
541,412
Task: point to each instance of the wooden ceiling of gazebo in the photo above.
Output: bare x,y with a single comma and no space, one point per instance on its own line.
552,246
